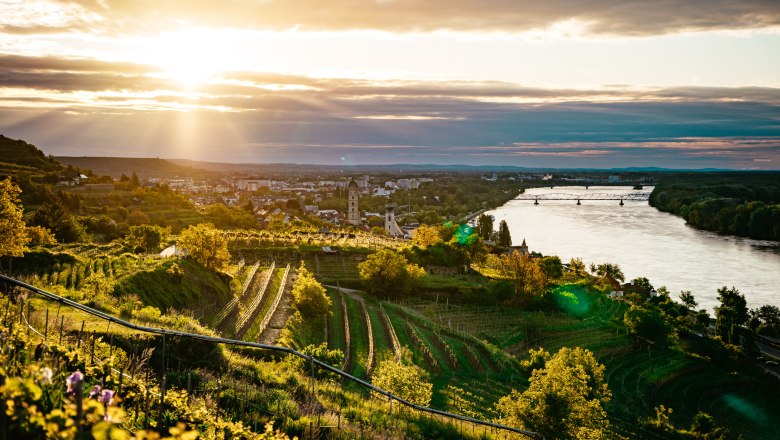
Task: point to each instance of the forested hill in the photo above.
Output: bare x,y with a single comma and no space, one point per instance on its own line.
744,204
18,155
143,167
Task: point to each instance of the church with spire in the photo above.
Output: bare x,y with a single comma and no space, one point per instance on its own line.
391,226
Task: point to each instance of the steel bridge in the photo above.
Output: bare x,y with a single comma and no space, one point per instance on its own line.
633,197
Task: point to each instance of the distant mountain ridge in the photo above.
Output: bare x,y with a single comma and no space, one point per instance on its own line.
143,167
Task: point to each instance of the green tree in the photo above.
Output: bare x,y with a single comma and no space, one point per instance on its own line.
309,297
504,237
146,238
766,320
388,272
577,267
730,314
551,267
54,215
564,400
648,323
485,226
206,245
688,300
408,382
13,231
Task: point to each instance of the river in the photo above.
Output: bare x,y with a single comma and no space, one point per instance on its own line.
645,242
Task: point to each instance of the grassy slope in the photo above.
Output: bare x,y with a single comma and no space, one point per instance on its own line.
198,288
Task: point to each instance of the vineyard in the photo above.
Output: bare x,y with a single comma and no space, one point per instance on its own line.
452,359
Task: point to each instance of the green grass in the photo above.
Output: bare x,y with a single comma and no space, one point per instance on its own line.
199,288
359,337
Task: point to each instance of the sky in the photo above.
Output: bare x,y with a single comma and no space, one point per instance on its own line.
554,83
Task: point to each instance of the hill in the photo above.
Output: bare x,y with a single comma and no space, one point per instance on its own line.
19,156
143,167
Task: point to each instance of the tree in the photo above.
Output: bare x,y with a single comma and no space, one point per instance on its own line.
408,382
40,236
146,238
206,245
643,284
524,271
54,215
730,314
13,231
551,267
766,320
485,226
577,267
609,270
426,236
564,400
388,272
688,300
309,297
504,237
648,323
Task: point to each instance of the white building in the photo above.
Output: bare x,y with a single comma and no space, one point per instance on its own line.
253,184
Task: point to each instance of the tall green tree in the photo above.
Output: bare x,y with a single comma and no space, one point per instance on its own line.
13,231
504,237
206,245
730,314
388,273
485,226
564,400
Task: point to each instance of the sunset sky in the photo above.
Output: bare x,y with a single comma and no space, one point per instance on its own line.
553,83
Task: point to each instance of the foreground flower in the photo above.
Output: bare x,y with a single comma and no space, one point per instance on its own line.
107,398
46,375
95,392
74,382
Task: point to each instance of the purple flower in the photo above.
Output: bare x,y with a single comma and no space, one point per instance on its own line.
95,392
74,382
107,398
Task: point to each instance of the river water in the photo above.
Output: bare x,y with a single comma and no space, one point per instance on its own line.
645,242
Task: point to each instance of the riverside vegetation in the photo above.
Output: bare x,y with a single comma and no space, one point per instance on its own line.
443,320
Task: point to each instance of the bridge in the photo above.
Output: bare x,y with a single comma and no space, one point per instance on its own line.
633,197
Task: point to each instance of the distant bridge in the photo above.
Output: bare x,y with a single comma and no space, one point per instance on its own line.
634,197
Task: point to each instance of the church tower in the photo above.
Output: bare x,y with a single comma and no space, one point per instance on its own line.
353,212
390,218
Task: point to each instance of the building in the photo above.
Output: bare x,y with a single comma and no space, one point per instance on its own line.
253,184
391,226
353,212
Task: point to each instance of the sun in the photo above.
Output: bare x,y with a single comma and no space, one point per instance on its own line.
191,57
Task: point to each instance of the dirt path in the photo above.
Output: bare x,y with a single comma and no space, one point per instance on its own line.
280,317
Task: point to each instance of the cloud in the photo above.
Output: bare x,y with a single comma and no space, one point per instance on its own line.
73,106
608,17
